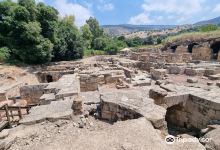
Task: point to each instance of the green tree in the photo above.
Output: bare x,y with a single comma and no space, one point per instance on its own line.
4,53
100,43
48,18
94,27
87,36
35,48
209,27
30,6
33,33
69,45
111,48
134,42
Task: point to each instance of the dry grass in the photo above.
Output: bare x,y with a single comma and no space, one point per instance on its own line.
150,46
193,36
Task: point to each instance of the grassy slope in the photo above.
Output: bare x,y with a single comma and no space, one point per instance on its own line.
193,36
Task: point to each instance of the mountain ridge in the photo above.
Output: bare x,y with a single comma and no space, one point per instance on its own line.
215,21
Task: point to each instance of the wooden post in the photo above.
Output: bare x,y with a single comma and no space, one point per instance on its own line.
19,113
7,115
11,111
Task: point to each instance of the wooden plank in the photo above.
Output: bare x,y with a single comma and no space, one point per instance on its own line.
7,115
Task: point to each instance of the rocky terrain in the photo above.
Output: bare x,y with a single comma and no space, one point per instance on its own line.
164,98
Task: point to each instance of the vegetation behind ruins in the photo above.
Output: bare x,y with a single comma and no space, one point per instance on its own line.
34,34
196,33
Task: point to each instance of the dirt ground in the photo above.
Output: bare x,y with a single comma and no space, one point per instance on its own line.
12,74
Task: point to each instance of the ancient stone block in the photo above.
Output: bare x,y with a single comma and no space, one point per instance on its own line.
158,95
77,105
201,52
158,74
32,93
192,80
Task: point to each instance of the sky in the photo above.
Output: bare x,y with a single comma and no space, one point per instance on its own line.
138,12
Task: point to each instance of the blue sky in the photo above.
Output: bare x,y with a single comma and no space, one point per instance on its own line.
138,11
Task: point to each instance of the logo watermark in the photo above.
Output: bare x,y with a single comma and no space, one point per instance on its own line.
170,139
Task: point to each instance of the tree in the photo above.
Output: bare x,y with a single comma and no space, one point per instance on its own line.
35,48
69,45
87,36
30,6
100,43
134,42
111,48
209,27
33,33
48,18
94,27
4,53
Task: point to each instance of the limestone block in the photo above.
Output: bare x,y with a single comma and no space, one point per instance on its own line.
32,93
158,95
158,74
201,52
192,80
190,72
77,105
174,70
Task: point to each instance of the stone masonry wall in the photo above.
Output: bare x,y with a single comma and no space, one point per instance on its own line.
32,93
201,52
195,112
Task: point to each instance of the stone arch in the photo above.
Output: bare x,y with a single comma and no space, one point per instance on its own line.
215,46
49,78
190,47
173,48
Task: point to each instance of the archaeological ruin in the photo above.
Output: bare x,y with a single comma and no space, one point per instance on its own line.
130,101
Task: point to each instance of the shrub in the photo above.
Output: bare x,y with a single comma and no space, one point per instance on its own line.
4,53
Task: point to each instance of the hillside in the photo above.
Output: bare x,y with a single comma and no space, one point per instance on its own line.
215,21
116,30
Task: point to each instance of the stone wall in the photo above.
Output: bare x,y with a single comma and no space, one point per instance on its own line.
114,112
174,58
158,74
32,93
10,92
201,52
181,49
54,75
88,83
135,56
193,112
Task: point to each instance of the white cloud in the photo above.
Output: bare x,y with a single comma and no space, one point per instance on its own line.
186,7
140,19
67,8
106,7
216,9
179,11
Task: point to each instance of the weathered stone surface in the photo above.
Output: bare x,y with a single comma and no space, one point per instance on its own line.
4,133
214,136
158,95
10,91
201,52
192,80
119,136
77,105
158,74
54,111
131,104
142,80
